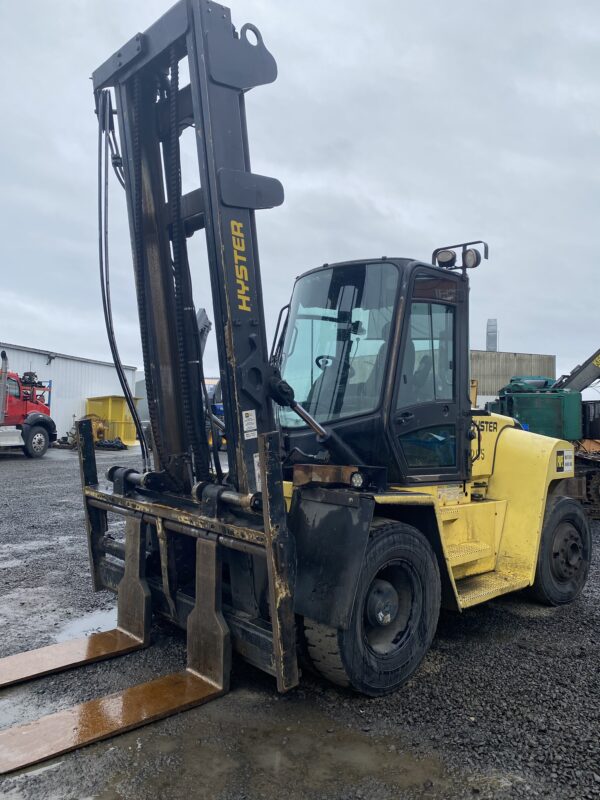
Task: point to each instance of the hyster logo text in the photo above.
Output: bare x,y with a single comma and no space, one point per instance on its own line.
241,270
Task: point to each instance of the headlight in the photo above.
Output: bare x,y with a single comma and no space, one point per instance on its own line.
357,480
471,258
446,258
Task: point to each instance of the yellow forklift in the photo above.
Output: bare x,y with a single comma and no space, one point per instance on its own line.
362,491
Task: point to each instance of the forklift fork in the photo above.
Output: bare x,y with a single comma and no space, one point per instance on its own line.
131,633
205,677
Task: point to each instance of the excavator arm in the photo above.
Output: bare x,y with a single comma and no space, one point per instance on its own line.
582,376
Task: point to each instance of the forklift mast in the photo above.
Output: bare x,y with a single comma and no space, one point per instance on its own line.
153,110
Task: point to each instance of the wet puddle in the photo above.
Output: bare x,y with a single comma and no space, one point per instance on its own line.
96,621
286,750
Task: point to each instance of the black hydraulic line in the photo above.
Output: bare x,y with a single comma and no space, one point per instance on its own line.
276,353
115,157
104,123
105,286
208,416
192,413
215,447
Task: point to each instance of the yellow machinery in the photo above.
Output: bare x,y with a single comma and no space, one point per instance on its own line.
113,411
490,530
363,492
99,427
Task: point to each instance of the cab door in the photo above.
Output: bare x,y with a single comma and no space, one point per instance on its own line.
14,405
431,412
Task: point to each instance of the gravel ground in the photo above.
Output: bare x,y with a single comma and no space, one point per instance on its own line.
505,705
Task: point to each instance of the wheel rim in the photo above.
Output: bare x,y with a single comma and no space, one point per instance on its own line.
389,605
38,442
568,552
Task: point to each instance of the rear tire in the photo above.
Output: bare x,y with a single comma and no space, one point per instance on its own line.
394,617
565,554
36,442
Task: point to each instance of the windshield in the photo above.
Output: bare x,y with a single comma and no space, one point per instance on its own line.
337,338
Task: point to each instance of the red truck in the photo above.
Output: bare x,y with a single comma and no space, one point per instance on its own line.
25,419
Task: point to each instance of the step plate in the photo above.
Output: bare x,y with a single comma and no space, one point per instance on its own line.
479,588
58,657
466,552
55,734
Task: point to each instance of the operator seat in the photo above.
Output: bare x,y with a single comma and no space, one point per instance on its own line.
373,382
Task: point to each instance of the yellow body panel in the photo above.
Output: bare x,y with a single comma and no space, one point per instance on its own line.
489,529
526,464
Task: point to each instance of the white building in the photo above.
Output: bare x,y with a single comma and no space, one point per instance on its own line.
73,380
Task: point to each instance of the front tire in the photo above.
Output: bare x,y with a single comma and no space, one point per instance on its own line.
394,617
565,554
36,442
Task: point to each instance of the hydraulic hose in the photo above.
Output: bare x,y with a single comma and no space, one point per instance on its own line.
104,128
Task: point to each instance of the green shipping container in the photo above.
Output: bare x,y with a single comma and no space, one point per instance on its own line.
556,414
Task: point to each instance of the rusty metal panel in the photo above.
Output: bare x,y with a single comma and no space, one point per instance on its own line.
281,563
493,370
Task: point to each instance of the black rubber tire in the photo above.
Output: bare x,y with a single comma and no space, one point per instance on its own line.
345,657
34,446
548,588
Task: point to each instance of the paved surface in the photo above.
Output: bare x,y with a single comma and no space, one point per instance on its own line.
506,704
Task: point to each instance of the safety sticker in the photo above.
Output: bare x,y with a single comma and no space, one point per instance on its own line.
249,424
449,493
564,460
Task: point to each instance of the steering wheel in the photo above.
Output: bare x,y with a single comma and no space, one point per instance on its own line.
319,361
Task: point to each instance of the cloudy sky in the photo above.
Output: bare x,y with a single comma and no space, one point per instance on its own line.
394,126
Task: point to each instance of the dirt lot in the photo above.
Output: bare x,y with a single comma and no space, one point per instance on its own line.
506,704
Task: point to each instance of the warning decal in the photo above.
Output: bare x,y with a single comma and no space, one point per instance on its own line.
564,460
249,424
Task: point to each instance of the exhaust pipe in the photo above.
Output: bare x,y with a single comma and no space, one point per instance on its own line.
3,385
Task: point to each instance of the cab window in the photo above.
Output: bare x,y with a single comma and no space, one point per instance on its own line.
427,374
13,388
337,338
430,447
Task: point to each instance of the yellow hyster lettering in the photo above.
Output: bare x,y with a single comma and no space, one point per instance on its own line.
238,240
239,244
241,272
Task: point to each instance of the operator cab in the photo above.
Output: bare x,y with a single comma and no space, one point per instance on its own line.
377,352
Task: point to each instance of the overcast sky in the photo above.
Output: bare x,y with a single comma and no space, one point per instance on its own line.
394,126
